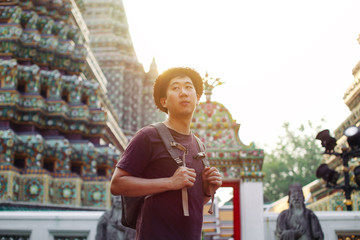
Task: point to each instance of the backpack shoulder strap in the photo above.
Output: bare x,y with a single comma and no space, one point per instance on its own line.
170,145
200,143
206,163
202,153
168,141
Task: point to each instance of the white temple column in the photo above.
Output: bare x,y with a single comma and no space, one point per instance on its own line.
251,202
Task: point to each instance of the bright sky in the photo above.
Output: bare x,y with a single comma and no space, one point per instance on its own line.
280,60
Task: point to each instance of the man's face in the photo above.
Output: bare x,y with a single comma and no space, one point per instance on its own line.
181,98
296,199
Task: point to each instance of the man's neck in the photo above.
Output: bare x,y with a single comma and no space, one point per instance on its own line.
181,126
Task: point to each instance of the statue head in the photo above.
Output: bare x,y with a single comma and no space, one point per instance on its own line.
296,196
116,202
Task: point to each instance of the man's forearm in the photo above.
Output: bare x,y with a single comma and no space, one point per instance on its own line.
123,183
134,186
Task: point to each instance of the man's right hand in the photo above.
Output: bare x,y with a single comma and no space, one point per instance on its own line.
183,177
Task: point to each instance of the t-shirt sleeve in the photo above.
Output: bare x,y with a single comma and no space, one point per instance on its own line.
137,155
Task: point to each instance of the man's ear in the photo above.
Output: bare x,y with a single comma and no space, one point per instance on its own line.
163,102
198,99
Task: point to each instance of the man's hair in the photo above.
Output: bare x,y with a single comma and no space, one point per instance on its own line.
162,82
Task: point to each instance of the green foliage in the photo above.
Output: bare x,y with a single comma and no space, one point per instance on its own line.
295,158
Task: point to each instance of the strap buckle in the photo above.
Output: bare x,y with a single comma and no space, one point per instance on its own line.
178,161
179,146
200,155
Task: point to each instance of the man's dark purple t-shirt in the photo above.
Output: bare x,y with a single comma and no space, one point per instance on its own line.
162,215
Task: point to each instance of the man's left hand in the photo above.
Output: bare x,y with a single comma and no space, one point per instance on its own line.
211,177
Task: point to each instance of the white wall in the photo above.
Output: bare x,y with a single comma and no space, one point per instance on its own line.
251,210
44,225
331,222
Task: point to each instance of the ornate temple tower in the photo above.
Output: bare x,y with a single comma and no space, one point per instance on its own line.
59,137
150,113
129,87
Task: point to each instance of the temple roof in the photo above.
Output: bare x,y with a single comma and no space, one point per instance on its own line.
221,130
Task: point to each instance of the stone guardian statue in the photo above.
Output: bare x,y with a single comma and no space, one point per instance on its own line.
109,226
298,222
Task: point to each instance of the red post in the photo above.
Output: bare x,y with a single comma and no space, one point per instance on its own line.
236,207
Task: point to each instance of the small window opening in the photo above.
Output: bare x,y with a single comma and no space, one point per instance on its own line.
21,86
49,164
84,99
101,171
44,91
76,168
65,95
20,161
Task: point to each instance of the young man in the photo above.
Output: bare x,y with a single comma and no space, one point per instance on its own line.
147,169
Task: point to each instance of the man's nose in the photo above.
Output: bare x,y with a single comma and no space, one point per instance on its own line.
183,91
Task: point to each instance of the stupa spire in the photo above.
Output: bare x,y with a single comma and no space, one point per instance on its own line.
209,84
